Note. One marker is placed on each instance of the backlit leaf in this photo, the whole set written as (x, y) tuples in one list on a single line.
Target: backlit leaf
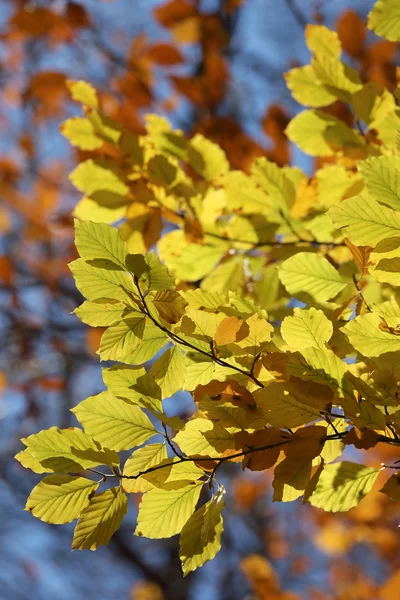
[(99, 521), (200, 538), (60, 498), (163, 513), (343, 485), (311, 273), (115, 423)]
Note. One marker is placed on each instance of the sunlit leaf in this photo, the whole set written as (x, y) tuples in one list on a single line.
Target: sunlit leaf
[(60, 498), (343, 485), (99, 521)]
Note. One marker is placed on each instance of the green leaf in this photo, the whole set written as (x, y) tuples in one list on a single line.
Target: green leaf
[(96, 241), (142, 459), (313, 274), (368, 339), (384, 19), (60, 498), (169, 371), (115, 423), (97, 282), (100, 520), (342, 486), (307, 328), (381, 175), (68, 450), (321, 134), (163, 513), (200, 538), (364, 221), (100, 314)]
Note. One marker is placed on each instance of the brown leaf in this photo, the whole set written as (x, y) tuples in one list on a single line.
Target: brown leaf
[(352, 32), (164, 54), (363, 439), (306, 443), (174, 11)]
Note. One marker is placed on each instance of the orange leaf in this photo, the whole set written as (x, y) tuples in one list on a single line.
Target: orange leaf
[(164, 54), (227, 331), (351, 30), (174, 11)]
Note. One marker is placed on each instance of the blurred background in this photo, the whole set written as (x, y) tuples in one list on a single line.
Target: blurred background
[(210, 66)]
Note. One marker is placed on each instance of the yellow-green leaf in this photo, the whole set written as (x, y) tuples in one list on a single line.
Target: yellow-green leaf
[(169, 371), (203, 437), (307, 328), (100, 520), (281, 409), (368, 339), (207, 158), (100, 314), (95, 177), (163, 513), (320, 134), (115, 423), (200, 538), (291, 477), (142, 459), (342, 486), (307, 89), (96, 282), (100, 242), (313, 274), (68, 450), (60, 498), (384, 19), (381, 175), (364, 221)]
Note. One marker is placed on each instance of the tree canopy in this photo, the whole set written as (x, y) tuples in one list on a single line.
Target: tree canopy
[(268, 294)]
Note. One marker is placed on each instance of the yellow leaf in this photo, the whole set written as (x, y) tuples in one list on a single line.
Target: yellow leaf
[(384, 19), (169, 371), (307, 328), (163, 513), (200, 538), (343, 485), (68, 450), (83, 92), (313, 274), (115, 423), (141, 460), (100, 520), (60, 498)]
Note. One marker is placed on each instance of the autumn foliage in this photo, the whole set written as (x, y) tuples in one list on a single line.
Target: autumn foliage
[(210, 266)]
